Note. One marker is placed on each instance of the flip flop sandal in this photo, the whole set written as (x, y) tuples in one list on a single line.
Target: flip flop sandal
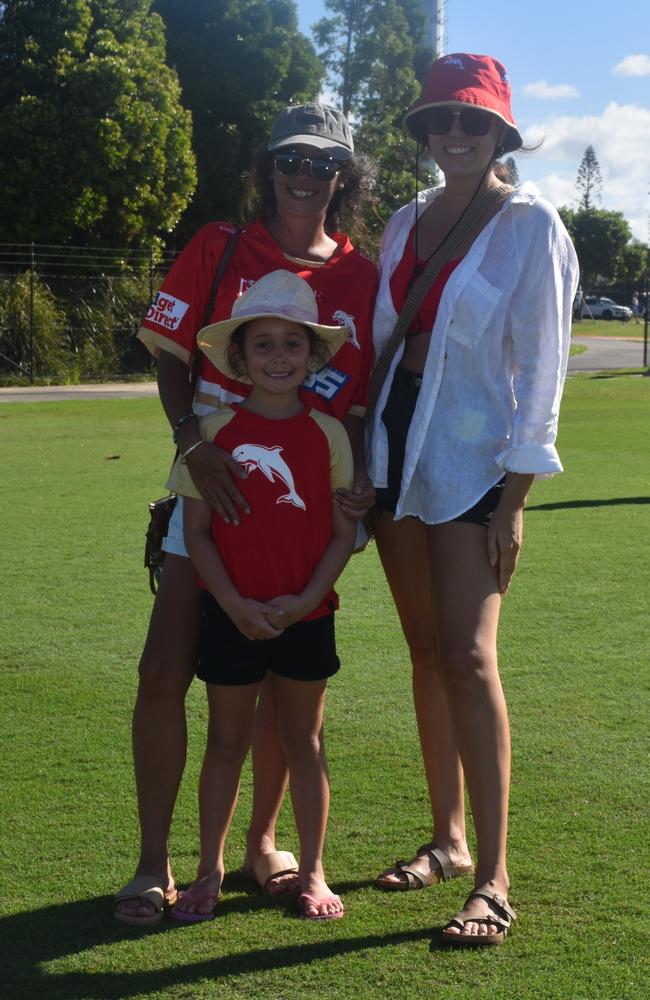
[(144, 889), (266, 867), (431, 866), (185, 917), (305, 899), (501, 918)]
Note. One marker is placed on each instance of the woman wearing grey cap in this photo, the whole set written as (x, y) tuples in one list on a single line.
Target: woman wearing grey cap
[(306, 177)]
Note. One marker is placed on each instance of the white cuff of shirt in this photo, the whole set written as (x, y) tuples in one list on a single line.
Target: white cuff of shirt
[(542, 460)]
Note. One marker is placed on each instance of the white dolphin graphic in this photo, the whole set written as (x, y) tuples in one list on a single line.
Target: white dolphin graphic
[(270, 462), (454, 61), (346, 320)]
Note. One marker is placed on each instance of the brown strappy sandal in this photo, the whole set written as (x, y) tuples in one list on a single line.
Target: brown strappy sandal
[(430, 866), (501, 918)]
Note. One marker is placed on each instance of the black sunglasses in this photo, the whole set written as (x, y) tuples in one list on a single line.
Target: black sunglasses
[(473, 121), (321, 168)]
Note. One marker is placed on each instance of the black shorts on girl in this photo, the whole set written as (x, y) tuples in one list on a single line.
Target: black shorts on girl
[(305, 651), (396, 418)]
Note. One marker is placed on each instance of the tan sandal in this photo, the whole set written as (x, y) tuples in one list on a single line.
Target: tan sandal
[(144, 889), (266, 867), (430, 866), (501, 918)]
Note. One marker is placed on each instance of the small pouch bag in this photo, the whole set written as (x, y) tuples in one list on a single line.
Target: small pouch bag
[(160, 512)]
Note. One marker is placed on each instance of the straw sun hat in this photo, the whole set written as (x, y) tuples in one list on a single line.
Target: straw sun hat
[(279, 294)]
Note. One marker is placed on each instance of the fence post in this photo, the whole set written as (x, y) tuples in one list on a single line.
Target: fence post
[(646, 316), (32, 276)]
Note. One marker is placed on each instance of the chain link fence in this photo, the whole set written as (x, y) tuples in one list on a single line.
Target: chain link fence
[(71, 313)]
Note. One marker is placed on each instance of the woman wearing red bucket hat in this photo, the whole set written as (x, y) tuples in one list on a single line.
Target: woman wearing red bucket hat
[(464, 409)]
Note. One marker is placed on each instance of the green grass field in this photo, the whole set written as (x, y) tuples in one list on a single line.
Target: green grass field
[(607, 328), (76, 478)]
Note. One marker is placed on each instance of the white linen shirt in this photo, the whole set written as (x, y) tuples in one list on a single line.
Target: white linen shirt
[(492, 382)]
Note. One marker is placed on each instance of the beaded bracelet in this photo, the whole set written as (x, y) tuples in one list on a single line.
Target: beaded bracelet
[(179, 424), (197, 444)]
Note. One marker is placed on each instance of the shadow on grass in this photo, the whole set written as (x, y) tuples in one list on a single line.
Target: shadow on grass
[(570, 504), (34, 938)]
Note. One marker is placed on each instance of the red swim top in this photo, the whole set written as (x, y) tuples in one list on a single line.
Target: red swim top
[(405, 275)]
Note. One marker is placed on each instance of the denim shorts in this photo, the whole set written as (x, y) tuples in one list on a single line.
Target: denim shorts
[(396, 417)]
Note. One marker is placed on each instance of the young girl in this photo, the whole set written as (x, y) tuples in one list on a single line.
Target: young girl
[(268, 601)]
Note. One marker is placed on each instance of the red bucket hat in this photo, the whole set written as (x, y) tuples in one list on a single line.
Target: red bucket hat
[(464, 80)]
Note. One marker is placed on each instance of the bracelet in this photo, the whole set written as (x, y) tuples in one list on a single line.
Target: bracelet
[(192, 447), (179, 423)]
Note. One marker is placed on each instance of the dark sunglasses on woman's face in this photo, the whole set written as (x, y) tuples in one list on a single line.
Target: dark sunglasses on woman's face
[(321, 168), (473, 121)]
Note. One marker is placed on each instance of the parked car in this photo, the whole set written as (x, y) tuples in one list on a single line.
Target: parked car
[(599, 307)]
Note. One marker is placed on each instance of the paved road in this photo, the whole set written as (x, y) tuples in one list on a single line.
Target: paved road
[(601, 353), (606, 352), (49, 393)]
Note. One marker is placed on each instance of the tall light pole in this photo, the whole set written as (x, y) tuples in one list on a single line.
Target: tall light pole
[(436, 25)]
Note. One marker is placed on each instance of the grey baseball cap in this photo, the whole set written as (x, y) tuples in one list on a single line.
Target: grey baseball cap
[(313, 125)]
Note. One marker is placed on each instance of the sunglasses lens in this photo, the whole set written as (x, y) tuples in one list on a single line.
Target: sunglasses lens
[(475, 122), (288, 163), (324, 170), (320, 168), (437, 121)]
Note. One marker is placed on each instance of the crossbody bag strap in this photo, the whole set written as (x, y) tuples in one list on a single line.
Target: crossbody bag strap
[(475, 212), (222, 267)]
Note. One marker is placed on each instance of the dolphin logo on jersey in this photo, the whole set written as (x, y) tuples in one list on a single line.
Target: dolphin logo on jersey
[(344, 319), (453, 61), (273, 466)]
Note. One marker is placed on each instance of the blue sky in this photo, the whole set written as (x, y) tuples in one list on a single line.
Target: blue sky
[(580, 73)]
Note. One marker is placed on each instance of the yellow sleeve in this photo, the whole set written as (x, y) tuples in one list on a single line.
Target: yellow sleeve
[(341, 462), (180, 480)]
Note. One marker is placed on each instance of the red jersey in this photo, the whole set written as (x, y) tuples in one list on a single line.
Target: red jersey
[(293, 466), (345, 286)]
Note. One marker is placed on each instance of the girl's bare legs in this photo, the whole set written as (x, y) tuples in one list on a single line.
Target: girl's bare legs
[(270, 779), (230, 727), (300, 719), (466, 607), (159, 733), (405, 558)]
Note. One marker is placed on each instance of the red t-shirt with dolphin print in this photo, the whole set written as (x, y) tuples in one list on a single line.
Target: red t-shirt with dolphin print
[(293, 467)]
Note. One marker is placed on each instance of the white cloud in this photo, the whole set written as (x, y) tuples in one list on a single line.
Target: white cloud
[(548, 90), (636, 65), (619, 137)]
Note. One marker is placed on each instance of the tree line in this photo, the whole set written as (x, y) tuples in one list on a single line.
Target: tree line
[(127, 124), (607, 252), (130, 123)]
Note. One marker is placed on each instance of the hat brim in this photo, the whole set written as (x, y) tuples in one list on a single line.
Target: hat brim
[(215, 340), (335, 150), (512, 140)]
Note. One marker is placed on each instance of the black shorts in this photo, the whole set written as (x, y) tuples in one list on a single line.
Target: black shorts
[(305, 651), (396, 418)]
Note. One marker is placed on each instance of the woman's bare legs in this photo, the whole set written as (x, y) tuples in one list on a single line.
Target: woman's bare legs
[(300, 720), (404, 553), (159, 731), (466, 607), (230, 728)]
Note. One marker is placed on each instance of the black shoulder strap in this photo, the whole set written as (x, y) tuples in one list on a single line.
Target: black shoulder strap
[(222, 267)]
